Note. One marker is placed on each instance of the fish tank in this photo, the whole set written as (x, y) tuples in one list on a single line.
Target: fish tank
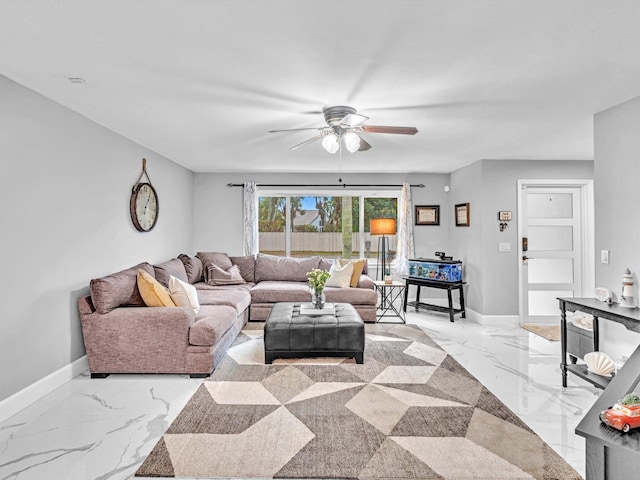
[(436, 270)]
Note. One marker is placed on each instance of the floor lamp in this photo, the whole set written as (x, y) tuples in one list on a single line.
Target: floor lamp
[(382, 227)]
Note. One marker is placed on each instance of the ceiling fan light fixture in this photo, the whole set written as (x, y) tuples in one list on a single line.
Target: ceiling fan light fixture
[(330, 143), (351, 141)]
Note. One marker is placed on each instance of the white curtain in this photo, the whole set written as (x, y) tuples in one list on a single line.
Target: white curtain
[(250, 218), (405, 231)]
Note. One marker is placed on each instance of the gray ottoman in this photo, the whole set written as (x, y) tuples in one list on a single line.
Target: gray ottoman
[(288, 334)]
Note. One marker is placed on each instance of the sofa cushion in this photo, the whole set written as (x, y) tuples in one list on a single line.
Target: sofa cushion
[(193, 267), (354, 296), (271, 267), (325, 263), (240, 299), (247, 266), (366, 282), (272, 292), (171, 267), (340, 274), (217, 276), (219, 259), (205, 286), (212, 322), (183, 294), (118, 289), (153, 294)]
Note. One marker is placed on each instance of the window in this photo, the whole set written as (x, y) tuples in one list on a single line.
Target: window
[(271, 217), (330, 224)]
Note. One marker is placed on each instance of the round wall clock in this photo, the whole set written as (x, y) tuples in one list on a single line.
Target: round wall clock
[(144, 207)]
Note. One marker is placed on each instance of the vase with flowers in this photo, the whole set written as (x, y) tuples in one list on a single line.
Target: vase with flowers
[(316, 279)]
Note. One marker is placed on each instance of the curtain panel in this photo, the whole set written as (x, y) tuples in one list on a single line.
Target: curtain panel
[(405, 245), (250, 202)]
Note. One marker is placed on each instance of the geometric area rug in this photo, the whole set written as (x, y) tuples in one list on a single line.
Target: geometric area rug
[(410, 411)]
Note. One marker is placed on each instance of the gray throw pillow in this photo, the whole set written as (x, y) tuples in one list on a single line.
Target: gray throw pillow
[(218, 276)]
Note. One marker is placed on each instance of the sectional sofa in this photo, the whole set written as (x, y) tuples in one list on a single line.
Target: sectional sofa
[(123, 335)]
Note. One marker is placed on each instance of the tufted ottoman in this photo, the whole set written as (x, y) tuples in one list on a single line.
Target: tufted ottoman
[(288, 334)]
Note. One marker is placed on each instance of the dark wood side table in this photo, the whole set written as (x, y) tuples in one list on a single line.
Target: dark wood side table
[(448, 286)]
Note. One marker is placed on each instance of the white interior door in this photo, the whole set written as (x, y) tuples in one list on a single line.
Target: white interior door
[(552, 257)]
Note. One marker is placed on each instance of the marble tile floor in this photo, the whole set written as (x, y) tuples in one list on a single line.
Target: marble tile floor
[(104, 428)]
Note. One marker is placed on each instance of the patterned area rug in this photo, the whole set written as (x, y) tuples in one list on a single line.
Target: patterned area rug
[(409, 412), (550, 332)]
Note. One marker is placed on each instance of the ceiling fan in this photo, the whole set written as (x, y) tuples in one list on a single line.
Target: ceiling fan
[(345, 123)]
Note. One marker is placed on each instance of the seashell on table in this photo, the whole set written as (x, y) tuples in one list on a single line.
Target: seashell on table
[(599, 363)]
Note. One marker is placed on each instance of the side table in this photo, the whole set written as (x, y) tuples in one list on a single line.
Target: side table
[(391, 298)]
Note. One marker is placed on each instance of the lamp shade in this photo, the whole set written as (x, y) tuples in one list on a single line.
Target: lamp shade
[(351, 141), (382, 226), (330, 143)]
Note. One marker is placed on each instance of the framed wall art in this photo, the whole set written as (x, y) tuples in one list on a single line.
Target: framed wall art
[(462, 215), (427, 215)]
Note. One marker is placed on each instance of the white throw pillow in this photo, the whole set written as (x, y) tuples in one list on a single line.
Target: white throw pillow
[(183, 294), (340, 275)]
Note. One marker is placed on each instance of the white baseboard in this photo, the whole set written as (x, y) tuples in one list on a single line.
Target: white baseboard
[(496, 320), (504, 320), (25, 397)]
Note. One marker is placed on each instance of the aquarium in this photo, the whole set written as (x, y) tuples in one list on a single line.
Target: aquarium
[(437, 270)]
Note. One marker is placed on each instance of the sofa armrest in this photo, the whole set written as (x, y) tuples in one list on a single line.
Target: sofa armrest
[(137, 339), (365, 282)]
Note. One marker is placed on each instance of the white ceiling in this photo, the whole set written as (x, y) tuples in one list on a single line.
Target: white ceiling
[(201, 82)]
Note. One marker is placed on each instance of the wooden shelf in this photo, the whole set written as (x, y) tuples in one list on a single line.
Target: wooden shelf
[(582, 372)]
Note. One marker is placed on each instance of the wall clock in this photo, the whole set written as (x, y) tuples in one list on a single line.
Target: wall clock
[(144, 203)]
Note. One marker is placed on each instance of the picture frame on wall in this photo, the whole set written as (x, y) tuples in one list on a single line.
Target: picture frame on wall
[(427, 215), (462, 215)]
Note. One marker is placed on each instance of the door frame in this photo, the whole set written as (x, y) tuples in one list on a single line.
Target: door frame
[(587, 234)]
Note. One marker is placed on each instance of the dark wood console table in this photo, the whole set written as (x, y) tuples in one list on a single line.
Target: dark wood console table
[(610, 454), (629, 317), (448, 286)]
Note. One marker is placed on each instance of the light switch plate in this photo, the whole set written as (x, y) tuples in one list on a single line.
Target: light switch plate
[(504, 247), (604, 256)]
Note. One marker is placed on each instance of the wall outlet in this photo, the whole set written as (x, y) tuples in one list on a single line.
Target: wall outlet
[(504, 247), (604, 256)]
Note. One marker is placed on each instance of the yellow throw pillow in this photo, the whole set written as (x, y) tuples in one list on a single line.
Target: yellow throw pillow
[(358, 266), (153, 294)]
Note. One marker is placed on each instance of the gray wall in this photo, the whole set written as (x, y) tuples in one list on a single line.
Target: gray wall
[(490, 186), (65, 188), (218, 208), (617, 199)]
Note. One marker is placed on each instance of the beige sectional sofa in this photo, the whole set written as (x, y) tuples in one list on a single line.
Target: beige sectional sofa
[(123, 335)]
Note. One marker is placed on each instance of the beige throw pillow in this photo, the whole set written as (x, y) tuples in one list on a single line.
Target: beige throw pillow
[(358, 268), (153, 294), (340, 274), (183, 294)]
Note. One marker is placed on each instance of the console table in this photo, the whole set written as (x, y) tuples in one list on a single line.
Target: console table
[(448, 286), (629, 317), (610, 454)]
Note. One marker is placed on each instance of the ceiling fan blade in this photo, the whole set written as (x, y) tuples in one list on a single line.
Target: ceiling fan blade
[(396, 130), (311, 140), (364, 145), (295, 129), (353, 119)]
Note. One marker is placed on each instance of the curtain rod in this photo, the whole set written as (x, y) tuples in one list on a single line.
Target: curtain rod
[(344, 185)]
